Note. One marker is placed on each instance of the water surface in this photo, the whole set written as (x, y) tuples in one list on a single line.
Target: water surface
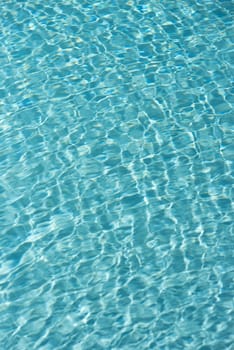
[(116, 173)]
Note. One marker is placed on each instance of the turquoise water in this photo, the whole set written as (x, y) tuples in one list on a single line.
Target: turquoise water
[(116, 174)]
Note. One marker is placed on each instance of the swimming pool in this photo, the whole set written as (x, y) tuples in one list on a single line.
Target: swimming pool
[(116, 173)]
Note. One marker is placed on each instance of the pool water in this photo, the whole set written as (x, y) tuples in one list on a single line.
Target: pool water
[(116, 174)]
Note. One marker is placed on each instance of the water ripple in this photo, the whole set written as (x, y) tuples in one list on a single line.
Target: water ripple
[(116, 177)]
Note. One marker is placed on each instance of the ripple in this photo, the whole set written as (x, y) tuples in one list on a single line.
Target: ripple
[(116, 172)]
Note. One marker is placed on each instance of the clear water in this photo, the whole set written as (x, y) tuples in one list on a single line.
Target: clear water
[(116, 175)]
